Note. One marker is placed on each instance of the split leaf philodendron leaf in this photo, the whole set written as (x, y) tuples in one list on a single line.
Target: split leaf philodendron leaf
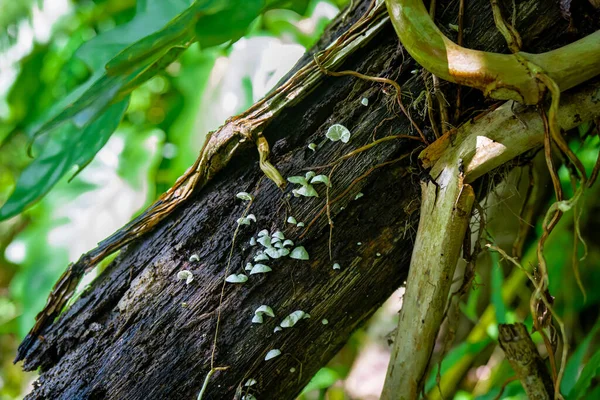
[(66, 148)]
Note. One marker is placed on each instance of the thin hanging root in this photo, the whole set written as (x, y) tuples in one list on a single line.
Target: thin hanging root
[(554, 127), (444, 122), (539, 294), (345, 192), (214, 369), (513, 39), (394, 84), (361, 149), (430, 111), (595, 171), (525, 216)]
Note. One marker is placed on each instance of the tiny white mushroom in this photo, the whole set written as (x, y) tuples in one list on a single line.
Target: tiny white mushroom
[(266, 310), (359, 243), (252, 241), (299, 180), (324, 321), (338, 132), (265, 241), (321, 179), (273, 252), (239, 278), (251, 217), (244, 196), (358, 195), (307, 191), (261, 257), (292, 370), (272, 354), (300, 224), (250, 382), (378, 254), (257, 319), (299, 253), (283, 252), (312, 146), (260, 269), (185, 275), (364, 101), (293, 318), (292, 220), (277, 329), (336, 266), (194, 257)]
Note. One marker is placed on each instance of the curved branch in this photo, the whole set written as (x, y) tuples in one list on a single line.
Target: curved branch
[(499, 76)]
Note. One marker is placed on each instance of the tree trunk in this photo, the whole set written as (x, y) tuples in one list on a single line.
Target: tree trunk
[(139, 333)]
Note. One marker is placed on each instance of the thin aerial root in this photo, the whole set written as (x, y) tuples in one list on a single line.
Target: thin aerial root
[(555, 129), (513, 39), (459, 40), (525, 217), (361, 149), (345, 192), (394, 84)]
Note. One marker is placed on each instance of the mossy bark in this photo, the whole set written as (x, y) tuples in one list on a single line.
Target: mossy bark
[(138, 333)]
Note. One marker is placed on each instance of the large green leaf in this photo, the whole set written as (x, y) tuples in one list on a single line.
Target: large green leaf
[(576, 360), (589, 372), (67, 147)]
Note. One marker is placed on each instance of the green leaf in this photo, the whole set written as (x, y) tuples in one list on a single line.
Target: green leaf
[(576, 360), (323, 379), (149, 16), (589, 372), (66, 148), (228, 24)]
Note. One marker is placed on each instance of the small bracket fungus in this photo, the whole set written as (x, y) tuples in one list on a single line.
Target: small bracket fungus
[(248, 267), (185, 275), (292, 220), (364, 101), (299, 253), (194, 258), (266, 310), (338, 132), (272, 354), (300, 225), (324, 321), (312, 146), (264, 232), (260, 269), (293, 318), (321, 179), (244, 196), (239, 278), (277, 329), (257, 319), (336, 266), (250, 382), (358, 195)]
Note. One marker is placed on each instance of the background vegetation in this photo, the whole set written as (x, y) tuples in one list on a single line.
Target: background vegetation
[(49, 48)]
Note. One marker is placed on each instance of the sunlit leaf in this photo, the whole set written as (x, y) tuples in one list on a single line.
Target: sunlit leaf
[(66, 148)]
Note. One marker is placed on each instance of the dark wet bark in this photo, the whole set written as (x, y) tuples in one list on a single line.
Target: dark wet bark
[(138, 333)]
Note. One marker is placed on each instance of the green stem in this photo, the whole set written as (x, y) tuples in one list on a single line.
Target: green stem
[(499, 76)]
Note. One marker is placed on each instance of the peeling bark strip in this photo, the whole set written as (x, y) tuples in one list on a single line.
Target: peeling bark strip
[(139, 333), (523, 356)]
